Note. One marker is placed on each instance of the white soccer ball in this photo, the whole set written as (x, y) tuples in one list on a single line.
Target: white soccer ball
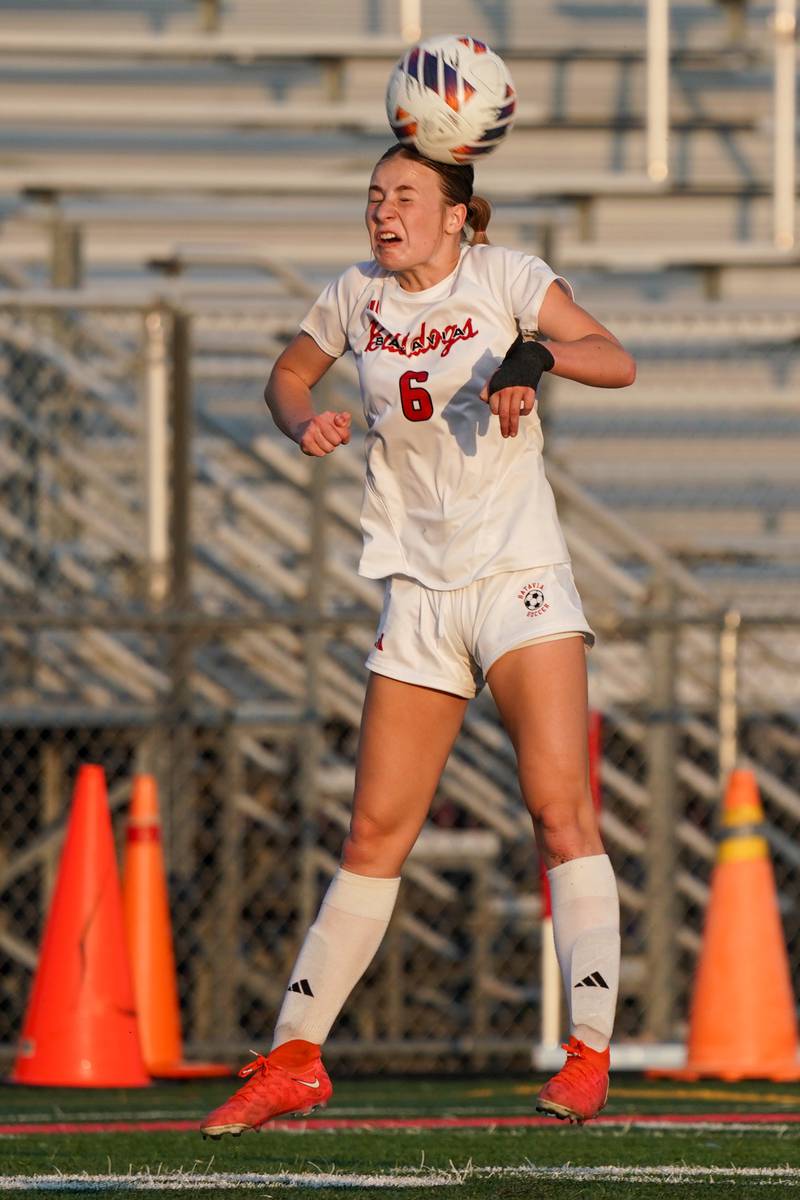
[(452, 98)]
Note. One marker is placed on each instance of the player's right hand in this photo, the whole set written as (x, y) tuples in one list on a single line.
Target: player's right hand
[(323, 433)]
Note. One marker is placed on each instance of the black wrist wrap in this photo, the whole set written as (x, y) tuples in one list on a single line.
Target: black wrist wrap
[(522, 366)]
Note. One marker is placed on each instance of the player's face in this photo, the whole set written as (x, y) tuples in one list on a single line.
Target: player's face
[(410, 224)]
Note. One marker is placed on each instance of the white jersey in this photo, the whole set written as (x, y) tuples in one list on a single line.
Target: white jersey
[(447, 499)]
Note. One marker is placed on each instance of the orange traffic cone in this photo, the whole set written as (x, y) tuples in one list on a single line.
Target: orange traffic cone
[(743, 1023), (149, 933), (81, 1029)]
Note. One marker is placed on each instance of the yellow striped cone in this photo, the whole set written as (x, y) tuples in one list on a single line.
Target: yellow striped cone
[(743, 1023)]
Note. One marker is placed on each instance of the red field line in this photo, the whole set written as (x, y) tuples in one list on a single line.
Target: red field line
[(333, 1124)]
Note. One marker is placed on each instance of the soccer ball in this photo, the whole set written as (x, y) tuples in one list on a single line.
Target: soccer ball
[(452, 98)]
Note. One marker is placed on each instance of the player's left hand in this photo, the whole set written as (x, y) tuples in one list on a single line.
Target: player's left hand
[(509, 404)]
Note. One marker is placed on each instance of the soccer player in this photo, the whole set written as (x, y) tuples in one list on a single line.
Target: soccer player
[(451, 336)]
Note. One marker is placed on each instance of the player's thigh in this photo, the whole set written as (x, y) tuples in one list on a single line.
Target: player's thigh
[(407, 733), (541, 693)]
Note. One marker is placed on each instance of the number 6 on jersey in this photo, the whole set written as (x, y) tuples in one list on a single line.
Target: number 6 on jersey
[(415, 401)]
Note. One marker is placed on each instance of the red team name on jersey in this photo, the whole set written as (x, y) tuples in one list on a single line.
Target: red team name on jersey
[(410, 346)]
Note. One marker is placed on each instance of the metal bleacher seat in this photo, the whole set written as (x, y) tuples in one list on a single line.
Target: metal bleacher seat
[(711, 261), (580, 80)]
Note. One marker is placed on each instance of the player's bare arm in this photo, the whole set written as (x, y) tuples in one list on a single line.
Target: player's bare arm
[(578, 348), (583, 349), (288, 395)]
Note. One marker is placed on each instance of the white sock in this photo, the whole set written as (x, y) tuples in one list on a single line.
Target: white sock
[(586, 932), (337, 950)]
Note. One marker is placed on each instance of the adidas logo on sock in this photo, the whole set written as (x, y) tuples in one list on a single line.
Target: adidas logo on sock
[(304, 987), (593, 980)]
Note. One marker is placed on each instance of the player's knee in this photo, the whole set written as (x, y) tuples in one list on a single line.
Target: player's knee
[(567, 828), (372, 843)]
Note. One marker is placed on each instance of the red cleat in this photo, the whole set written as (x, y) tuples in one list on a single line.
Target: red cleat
[(290, 1080), (580, 1089)]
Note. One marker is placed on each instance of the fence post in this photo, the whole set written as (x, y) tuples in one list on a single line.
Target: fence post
[(785, 110), (180, 648), (209, 16), (154, 753), (66, 270), (23, 493), (311, 745), (229, 893), (657, 90), (392, 954), (66, 253), (480, 962), (156, 442), (180, 810), (728, 695), (410, 20), (51, 787), (660, 915)]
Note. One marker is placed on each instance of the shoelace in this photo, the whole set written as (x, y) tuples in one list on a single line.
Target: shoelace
[(259, 1064), (576, 1060)]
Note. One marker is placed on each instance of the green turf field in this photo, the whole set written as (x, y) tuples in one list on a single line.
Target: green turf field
[(621, 1159)]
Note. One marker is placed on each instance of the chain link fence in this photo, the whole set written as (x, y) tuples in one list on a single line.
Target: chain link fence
[(179, 596)]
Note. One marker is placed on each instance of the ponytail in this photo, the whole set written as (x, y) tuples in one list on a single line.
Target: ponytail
[(479, 212)]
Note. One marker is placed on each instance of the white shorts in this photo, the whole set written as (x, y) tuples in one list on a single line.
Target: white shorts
[(450, 640)]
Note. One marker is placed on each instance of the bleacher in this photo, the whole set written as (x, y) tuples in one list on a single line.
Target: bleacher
[(171, 147), (224, 170)]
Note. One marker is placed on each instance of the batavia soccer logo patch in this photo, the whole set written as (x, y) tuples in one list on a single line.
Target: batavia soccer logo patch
[(532, 596)]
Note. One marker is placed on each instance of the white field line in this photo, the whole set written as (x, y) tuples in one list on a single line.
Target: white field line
[(408, 1178), (192, 1182)]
